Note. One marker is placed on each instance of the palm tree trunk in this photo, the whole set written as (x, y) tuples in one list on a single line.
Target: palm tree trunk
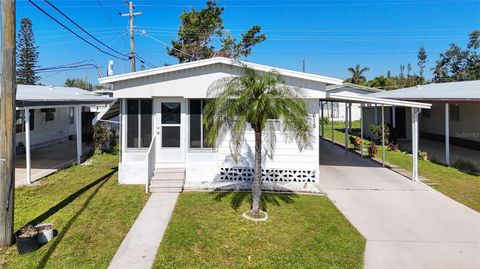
[(257, 177)]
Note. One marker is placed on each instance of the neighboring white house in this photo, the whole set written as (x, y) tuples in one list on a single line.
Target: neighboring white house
[(161, 119), (46, 115), (346, 89), (453, 118)]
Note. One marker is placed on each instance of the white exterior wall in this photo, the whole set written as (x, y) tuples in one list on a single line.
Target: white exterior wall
[(46, 131), (205, 166), (468, 127)]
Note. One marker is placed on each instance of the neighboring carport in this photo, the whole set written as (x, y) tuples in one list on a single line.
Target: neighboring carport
[(373, 101), (47, 98), (459, 100)]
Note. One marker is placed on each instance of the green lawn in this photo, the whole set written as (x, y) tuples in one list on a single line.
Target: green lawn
[(87, 207), (207, 231), (458, 185)]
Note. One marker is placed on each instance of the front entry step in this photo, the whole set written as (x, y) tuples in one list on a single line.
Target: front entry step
[(167, 180)]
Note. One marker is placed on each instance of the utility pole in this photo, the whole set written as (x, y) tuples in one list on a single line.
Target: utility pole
[(131, 15), (7, 118), (303, 65)]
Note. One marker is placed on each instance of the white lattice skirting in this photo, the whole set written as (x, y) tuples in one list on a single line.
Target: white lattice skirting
[(271, 175)]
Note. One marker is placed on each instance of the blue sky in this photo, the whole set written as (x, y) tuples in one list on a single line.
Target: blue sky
[(330, 35)]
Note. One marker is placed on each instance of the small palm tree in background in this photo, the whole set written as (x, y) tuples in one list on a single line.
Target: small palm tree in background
[(258, 102), (357, 74)]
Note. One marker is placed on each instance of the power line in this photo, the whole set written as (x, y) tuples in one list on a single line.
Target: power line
[(112, 22), (123, 37), (71, 31), (144, 33), (145, 60), (83, 30), (66, 67), (290, 5)]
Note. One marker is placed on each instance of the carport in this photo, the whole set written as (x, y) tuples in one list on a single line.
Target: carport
[(48, 98), (376, 102)]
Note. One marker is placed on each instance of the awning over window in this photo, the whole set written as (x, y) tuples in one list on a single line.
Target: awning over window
[(109, 114)]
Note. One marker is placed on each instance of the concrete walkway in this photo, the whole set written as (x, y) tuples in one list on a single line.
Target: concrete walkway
[(140, 246), (406, 224)]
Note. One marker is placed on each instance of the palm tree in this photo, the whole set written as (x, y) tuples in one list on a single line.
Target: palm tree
[(357, 74), (262, 103)]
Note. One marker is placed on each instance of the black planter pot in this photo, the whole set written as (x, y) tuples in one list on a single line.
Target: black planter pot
[(27, 244)]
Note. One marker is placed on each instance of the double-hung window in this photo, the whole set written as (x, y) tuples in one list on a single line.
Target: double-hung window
[(197, 139), (139, 123)]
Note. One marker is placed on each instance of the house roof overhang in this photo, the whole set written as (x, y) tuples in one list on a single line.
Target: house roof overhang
[(220, 60)]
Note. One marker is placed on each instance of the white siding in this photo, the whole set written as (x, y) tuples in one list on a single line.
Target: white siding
[(205, 166), (468, 127), (45, 131)]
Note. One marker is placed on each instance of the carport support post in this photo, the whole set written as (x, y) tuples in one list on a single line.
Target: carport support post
[(78, 124), (350, 117), (346, 126), (333, 127), (322, 120), (28, 159), (361, 129), (383, 136), (393, 117), (447, 134), (415, 112)]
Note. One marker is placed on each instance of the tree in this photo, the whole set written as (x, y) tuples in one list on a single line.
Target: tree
[(457, 64), (199, 27), (261, 103), (27, 55), (81, 84), (422, 60), (357, 74)]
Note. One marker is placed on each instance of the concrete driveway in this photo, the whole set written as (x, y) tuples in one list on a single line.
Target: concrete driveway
[(406, 224)]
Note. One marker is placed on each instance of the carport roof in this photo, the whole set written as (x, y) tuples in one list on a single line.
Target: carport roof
[(367, 99), (463, 91), (44, 96)]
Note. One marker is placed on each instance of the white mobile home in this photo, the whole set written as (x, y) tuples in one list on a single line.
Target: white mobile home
[(161, 119)]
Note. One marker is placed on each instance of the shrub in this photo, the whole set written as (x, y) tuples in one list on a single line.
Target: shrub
[(465, 166), (393, 134), (356, 141), (325, 120), (392, 146), (423, 155), (377, 133), (372, 150), (102, 136)]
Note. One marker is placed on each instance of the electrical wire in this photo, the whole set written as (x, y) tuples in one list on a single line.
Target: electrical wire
[(83, 30), (123, 37), (71, 31)]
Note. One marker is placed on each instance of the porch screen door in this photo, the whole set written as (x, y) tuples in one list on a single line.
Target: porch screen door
[(170, 130)]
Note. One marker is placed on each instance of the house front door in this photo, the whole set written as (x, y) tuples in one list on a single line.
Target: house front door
[(170, 128)]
